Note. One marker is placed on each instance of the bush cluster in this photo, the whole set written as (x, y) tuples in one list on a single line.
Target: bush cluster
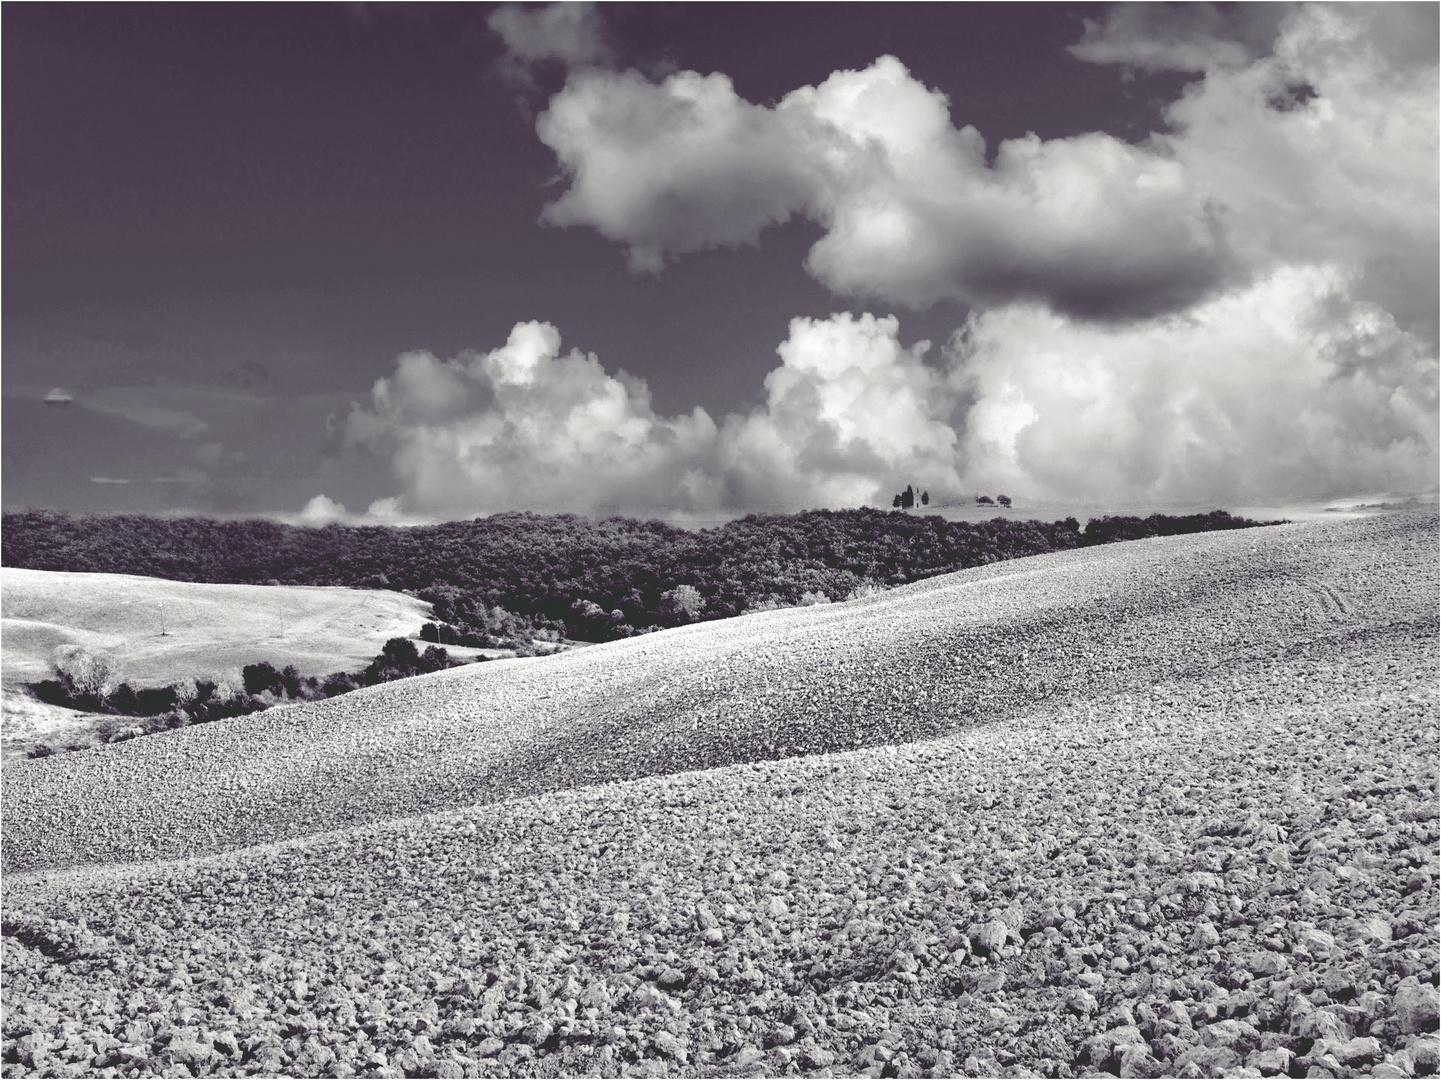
[(82, 681)]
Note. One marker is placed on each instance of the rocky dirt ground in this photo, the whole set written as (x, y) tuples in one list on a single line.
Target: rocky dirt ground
[(1168, 808)]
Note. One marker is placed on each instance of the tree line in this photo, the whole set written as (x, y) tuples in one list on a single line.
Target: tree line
[(512, 578), (85, 681)]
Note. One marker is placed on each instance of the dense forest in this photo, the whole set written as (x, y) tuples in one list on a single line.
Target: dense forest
[(513, 577)]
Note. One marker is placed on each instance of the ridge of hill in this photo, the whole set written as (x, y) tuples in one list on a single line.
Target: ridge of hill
[(1210, 849), (982, 646)]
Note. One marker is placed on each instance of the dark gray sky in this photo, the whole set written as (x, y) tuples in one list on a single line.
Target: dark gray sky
[(224, 223)]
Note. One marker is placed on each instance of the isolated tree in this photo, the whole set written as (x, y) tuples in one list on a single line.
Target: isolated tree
[(1004, 500), (985, 500), (925, 498), (401, 653), (680, 605), (85, 676), (259, 678), (896, 502)]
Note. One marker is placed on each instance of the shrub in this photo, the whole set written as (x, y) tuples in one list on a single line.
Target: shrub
[(258, 678), (809, 599), (588, 621), (85, 676), (156, 700), (866, 588), (41, 751), (52, 692), (339, 683), (113, 732)]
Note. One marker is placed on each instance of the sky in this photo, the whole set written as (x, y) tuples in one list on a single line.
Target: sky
[(386, 263)]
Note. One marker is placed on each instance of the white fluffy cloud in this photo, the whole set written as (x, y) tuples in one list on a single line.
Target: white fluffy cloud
[(1346, 176), (849, 416), (1286, 388), (1314, 140), (523, 425), (674, 168), (1244, 305), (913, 211)]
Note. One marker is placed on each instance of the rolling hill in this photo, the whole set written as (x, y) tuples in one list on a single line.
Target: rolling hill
[(211, 631), (1160, 808)]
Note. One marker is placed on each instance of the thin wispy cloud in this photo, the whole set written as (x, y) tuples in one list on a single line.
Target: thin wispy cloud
[(570, 34)]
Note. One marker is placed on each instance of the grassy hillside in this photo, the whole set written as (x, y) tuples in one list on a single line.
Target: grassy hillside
[(1178, 818), (211, 631)]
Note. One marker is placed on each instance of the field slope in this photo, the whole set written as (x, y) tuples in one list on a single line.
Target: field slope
[(211, 631), (983, 646)]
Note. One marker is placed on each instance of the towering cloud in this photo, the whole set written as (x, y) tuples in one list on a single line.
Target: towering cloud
[(523, 425), (1244, 304), (847, 414), (1286, 388), (1241, 307)]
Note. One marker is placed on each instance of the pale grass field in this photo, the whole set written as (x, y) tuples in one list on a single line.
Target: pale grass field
[(211, 631)]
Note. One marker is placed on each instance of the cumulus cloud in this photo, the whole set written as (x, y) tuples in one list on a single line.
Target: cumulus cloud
[(1288, 387), (321, 510), (848, 417), (524, 425), (571, 33), (1242, 305), (1326, 152), (679, 167), (914, 212), (1312, 137)]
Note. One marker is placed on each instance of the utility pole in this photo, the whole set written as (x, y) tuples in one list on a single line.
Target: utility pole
[(163, 632)]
